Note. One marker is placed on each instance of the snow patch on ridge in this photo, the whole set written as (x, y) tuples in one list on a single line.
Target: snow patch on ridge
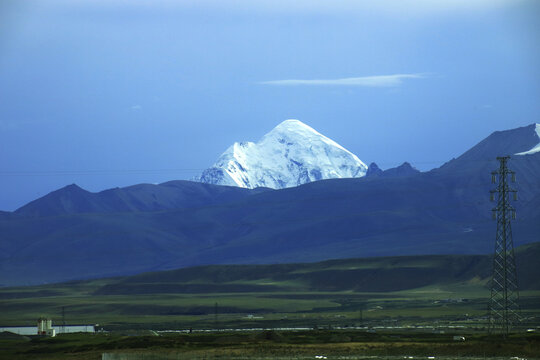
[(536, 148), (290, 155)]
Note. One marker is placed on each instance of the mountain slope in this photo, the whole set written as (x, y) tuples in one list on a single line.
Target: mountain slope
[(291, 154), (499, 143), (170, 195), (317, 221), (536, 148), (444, 211), (365, 274), (476, 164)]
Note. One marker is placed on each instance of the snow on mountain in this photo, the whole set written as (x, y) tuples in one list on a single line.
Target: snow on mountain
[(290, 155), (536, 148)]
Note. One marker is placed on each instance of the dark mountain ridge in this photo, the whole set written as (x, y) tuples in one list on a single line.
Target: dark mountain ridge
[(444, 211), (404, 169), (499, 143), (178, 194)]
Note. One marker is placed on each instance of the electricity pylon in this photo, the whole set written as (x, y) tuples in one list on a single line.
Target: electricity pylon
[(503, 304)]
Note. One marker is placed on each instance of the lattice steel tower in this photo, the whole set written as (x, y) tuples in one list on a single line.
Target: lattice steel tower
[(503, 304)]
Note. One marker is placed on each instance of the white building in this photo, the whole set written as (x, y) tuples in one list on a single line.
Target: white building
[(44, 327)]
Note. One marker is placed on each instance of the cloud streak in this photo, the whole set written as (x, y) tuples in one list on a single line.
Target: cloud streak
[(367, 81)]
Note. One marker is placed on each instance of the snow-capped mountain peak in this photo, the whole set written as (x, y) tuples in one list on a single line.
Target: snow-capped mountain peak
[(291, 154), (535, 148)]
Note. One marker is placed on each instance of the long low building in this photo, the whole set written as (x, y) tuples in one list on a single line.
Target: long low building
[(32, 330)]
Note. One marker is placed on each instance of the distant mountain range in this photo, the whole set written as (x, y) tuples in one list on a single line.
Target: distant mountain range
[(291, 154), (73, 234), (179, 194)]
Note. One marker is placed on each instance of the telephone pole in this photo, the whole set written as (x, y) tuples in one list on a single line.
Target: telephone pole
[(216, 316), (63, 319), (503, 304)]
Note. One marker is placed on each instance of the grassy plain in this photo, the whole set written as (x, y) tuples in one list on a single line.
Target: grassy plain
[(268, 344), (275, 296), (390, 306)]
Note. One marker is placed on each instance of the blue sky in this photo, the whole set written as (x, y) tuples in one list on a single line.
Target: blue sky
[(114, 93)]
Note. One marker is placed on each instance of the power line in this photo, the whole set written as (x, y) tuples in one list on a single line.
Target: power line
[(96, 172), (168, 170)]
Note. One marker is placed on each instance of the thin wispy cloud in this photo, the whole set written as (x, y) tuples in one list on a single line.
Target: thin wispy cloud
[(367, 81)]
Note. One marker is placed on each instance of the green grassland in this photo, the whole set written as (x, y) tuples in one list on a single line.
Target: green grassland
[(391, 306), (270, 344), (436, 291)]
